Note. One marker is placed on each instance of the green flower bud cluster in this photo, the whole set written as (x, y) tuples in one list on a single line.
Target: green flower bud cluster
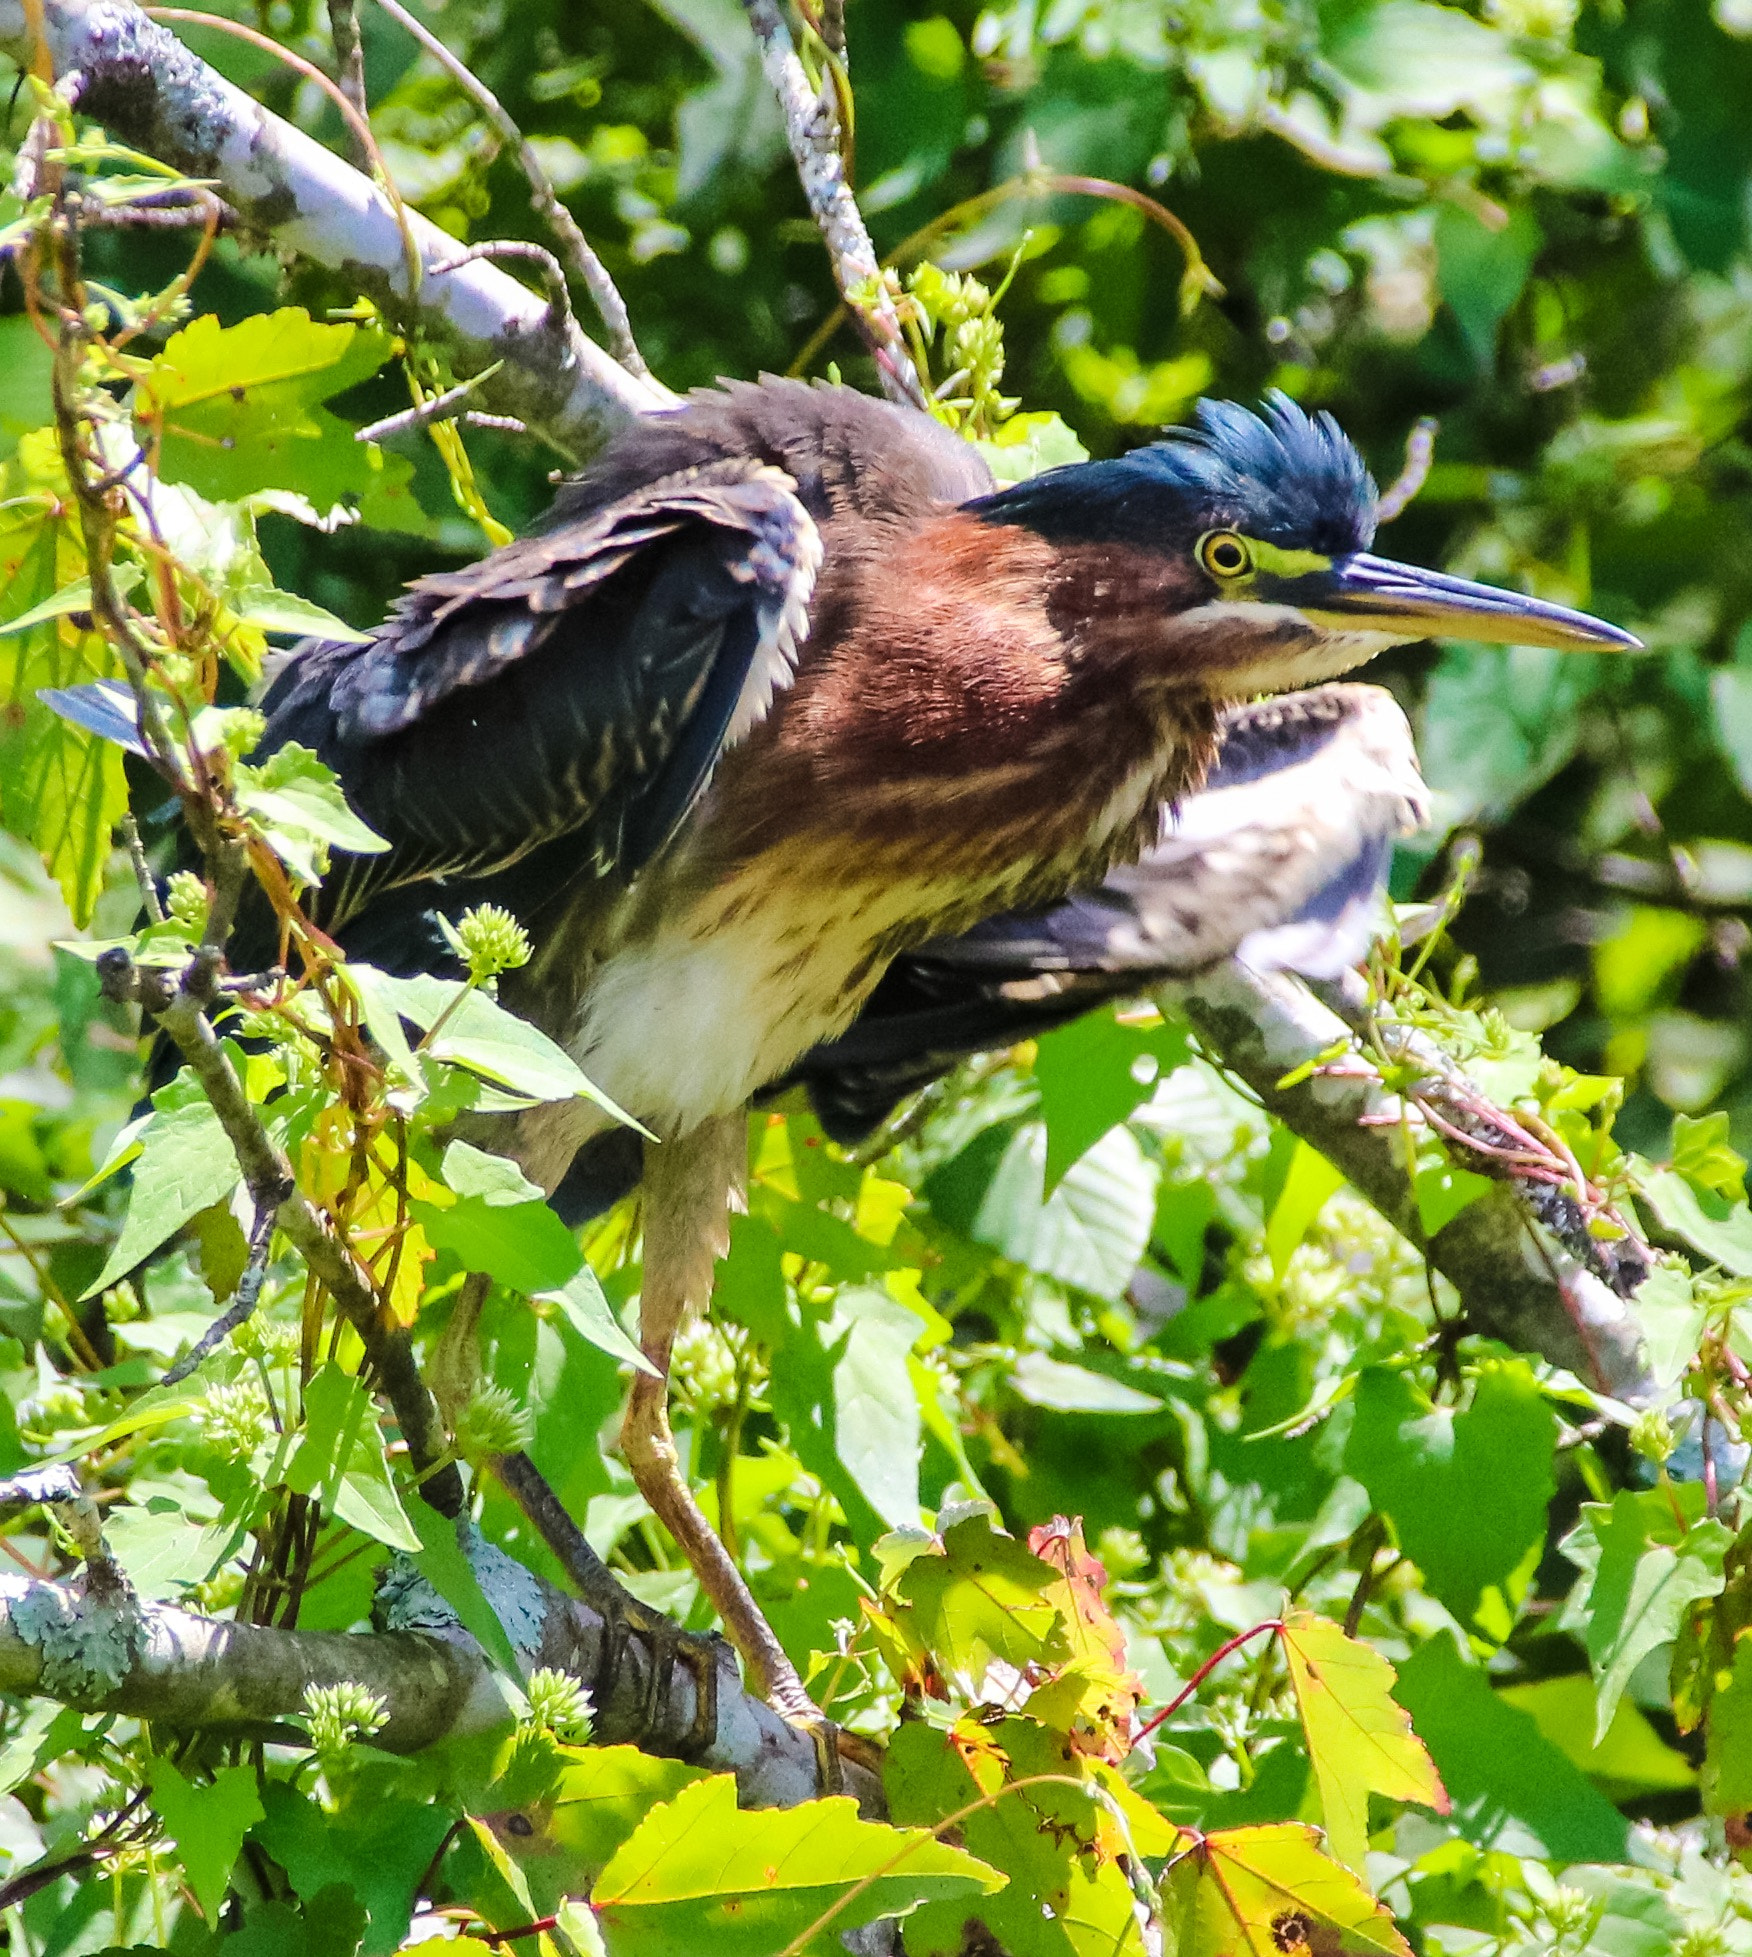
[(490, 941), (339, 1715), (185, 902), (495, 1421), (236, 1419), (703, 1366), (560, 1705)]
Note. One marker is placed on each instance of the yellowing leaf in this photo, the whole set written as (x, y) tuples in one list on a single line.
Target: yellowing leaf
[(1269, 1892), (1359, 1740)]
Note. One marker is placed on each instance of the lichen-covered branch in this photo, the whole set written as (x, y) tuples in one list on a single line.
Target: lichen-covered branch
[(812, 128), (133, 76), (99, 1648), (1518, 1280)]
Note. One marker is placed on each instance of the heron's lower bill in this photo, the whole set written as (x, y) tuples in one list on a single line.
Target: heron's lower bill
[(1402, 598)]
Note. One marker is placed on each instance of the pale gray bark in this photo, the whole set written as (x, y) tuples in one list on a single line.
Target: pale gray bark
[(85, 1642), (143, 85)]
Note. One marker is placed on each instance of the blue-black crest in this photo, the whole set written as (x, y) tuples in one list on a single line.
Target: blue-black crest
[(1286, 476)]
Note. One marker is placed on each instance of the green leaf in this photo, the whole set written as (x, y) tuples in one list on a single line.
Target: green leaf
[(977, 1598), (1701, 1154), (1647, 1575), (1062, 1899), (1728, 1758), (1092, 1230), (1443, 1191), (495, 1179), (1028, 443), (1309, 1179), (239, 408), (378, 1852), (207, 1823), (62, 789), (588, 1313), (502, 1224), (1466, 1492), (592, 1802), (481, 1037), (1268, 1889), (1360, 1741), (74, 597), (1629, 1764), (1497, 722), (1483, 270), (299, 806), (1093, 1074), (1045, 1382), (341, 1460), (1672, 1317), (1730, 695), (1721, 1229), (1510, 1786), (186, 1165), (271, 610), (877, 1424), (447, 1566), (702, 1873)]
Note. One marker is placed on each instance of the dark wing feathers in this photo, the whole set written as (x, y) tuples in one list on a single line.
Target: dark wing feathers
[(580, 683)]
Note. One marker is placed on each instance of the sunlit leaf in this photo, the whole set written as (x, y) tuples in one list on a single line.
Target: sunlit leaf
[(1647, 1573), (186, 1164), (702, 1872), (1467, 1491), (1359, 1739), (1262, 1892)]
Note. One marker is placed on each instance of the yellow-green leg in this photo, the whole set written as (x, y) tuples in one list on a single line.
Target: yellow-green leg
[(690, 1184)]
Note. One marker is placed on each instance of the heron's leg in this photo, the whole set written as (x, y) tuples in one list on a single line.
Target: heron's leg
[(689, 1186)]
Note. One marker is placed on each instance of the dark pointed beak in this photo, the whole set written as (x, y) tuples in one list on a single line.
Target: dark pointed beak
[(1367, 590)]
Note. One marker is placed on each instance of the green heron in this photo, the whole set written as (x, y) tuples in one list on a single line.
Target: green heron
[(783, 688), (1279, 858)]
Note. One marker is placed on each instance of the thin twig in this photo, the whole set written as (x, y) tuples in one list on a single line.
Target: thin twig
[(1420, 452), (242, 1306), (812, 128), (267, 1175), (604, 294), (437, 407), (350, 72), (130, 833)]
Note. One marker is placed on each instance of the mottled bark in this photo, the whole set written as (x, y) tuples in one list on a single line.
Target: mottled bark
[(142, 84)]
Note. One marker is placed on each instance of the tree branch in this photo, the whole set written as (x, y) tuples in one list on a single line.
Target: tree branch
[(812, 128), (1518, 1279), (102, 1650), (144, 86)]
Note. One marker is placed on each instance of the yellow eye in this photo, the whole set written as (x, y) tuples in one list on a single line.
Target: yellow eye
[(1224, 554)]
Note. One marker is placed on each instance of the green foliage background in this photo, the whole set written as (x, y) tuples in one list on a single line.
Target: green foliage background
[(1529, 222)]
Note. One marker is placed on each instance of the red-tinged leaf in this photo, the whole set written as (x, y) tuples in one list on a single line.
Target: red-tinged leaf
[(1270, 1892), (1359, 1738), (1094, 1697)]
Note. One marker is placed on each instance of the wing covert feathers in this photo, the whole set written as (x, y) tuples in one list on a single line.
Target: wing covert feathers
[(582, 682)]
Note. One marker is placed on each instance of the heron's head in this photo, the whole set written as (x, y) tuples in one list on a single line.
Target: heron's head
[(1257, 528)]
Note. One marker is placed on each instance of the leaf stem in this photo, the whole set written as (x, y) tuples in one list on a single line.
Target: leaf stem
[(1204, 1671)]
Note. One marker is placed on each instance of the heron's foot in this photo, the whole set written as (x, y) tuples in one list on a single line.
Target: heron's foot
[(650, 1452)]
